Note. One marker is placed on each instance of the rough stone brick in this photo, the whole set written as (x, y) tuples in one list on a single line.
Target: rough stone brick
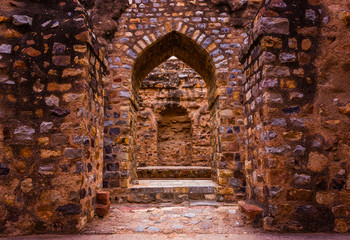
[(102, 210), (69, 209), (102, 197)]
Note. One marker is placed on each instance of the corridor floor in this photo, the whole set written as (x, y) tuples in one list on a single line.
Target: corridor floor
[(195, 217), (202, 220)]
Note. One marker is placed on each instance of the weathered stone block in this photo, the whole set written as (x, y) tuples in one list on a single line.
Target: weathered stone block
[(102, 197), (299, 195), (345, 17), (69, 209), (81, 140), (341, 226), (27, 185), (22, 20), (287, 57), (341, 210), (24, 133), (61, 60), (114, 131), (83, 36), (58, 48), (31, 52), (278, 4), (102, 210), (4, 169), (317, 162), (235, 182), (58, 139), (45, 126), (302, 179), (251, 210), (267, 57), (325, 198), (72, 72), (271, 42), (345, 197), (46, 153), (58, 87), (5, 48), (79, 167), (72, 97), (275, 71), (278, 150), (46, 170), (345, 109), (112, 166), (71, 153), (269, 25)]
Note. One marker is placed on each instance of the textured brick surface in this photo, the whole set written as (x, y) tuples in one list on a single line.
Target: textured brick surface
[(51, 71), (203, 37), (277, 97), (288, 166)]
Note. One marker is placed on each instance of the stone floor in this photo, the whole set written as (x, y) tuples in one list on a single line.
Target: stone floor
[(159, 236), (200, 220), (173, 183), (195, 217)]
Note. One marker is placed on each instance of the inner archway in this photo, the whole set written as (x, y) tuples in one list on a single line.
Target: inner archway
[(172, 114), (184, 48), (173, 133)]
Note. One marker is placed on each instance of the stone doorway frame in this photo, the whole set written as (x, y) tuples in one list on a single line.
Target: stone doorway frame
[(181, 40), (138, 62), (187, 50)]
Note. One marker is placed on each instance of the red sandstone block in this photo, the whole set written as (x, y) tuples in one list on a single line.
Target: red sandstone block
[(249, 209), (103, 198), (102, 210)]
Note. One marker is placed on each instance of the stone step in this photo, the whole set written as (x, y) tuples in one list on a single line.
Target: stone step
[(170, 172), (177, 191)]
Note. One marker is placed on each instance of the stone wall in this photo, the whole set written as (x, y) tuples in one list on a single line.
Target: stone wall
[(329, 119), (51, 120), (174, 137), (291, 167), (204, 35), (281, 128), (173, 120)]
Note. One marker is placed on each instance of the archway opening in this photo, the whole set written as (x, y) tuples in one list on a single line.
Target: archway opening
[(173, 122), (173, 128), (184, 48)]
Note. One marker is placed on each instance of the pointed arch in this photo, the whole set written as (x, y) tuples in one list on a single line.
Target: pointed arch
[(175, 44)]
